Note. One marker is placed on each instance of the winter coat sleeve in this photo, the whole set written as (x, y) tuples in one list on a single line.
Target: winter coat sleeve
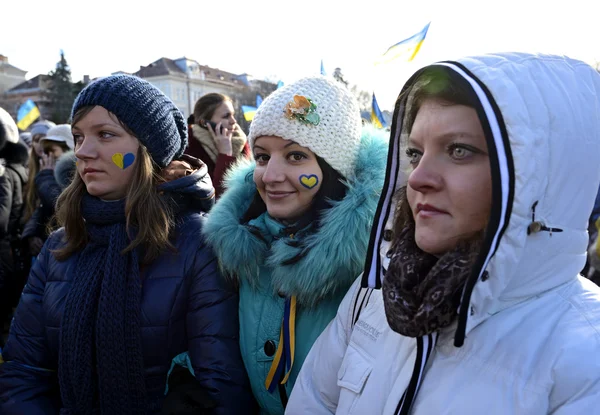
[(586, 404), (47, 188), (48, 191), (35, 224), (213, 332), (576, 373), (28, 380), (223, 163), (316, 390), (6, 196)]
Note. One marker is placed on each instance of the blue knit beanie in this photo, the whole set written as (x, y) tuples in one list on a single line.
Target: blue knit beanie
[(144, 109)]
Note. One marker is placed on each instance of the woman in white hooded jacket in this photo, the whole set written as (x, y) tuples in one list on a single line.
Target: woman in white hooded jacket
[(481, 309)]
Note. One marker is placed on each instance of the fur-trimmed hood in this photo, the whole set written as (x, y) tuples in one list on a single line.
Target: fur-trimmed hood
[(336, 252)]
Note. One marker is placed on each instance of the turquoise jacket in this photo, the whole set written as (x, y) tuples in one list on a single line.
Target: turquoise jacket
[(335, 257)]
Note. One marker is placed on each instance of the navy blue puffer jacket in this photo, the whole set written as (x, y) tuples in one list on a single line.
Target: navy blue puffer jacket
[(185, 306)]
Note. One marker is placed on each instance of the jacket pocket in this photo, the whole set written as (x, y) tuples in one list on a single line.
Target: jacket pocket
[(352, 377)]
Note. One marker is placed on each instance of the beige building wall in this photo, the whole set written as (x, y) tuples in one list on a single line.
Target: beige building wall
[(185, 92)]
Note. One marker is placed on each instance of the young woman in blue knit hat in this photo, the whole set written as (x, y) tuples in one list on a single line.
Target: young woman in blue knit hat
[(128, 282), (292, 227)]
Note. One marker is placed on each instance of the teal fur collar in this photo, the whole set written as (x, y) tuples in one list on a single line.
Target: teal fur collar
[(336, 253)]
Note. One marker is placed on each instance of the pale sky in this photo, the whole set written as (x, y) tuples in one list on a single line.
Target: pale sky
[(287, 39)]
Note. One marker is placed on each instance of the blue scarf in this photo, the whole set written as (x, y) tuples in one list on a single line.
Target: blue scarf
[(101, 368)]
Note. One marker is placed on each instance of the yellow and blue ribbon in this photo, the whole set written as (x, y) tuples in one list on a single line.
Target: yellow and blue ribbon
[(284, 357)]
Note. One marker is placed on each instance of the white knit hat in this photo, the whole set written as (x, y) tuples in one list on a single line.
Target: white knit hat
[(61, 133), (336, 136)]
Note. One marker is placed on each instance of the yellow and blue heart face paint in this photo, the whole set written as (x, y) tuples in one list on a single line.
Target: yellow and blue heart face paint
[(123, 161), (309, 180)]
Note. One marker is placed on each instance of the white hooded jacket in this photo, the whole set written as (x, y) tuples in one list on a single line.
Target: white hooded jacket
[(527, 340)]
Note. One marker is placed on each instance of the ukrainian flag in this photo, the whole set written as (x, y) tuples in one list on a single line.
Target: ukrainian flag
[(376, 115), (27, 114), (248, 112), (407, 47)]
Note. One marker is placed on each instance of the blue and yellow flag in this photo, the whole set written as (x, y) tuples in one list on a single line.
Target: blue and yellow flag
[(407, 48), (376, 115), (27, 114), (248, 112)]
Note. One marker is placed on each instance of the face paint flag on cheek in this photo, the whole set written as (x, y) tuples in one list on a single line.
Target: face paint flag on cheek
[(309, 181), (123, 161)]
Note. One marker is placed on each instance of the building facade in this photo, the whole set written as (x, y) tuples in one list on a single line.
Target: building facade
[(184, 81), (36, 89), (10, 76)]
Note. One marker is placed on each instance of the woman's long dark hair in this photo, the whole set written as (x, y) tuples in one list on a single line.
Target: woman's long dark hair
[(333, 189)]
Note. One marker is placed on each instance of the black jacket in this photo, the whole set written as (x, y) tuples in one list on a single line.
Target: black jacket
[(48, 191), (12, 186), (13, 179)]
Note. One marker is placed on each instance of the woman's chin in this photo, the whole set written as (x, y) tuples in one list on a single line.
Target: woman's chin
[(432, 246), (103, 194), (277, 214)]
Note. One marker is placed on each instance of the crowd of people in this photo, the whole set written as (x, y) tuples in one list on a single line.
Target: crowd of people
[(316, 265)]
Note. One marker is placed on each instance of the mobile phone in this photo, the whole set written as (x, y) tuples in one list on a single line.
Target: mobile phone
[(214, 126)]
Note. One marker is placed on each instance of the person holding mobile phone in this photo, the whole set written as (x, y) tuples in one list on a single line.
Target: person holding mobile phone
[(56, 141), (215, 137)]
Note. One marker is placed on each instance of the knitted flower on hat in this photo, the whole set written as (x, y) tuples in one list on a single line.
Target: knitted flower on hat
[(317, 113)]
